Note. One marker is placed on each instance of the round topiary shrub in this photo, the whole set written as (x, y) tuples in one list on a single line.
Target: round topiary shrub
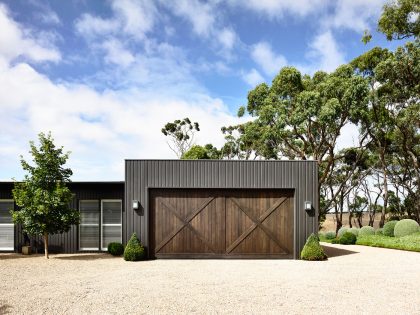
[(312, 249), (379, 231), (115, 248), (366, 230), (341, 231), (348, 238), (354, 231), (134, 250), (388, 229), (330, 235), (405, 227)]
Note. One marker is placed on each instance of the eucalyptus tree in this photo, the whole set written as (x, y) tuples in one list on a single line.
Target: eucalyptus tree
[(181, 135), (302, 117)]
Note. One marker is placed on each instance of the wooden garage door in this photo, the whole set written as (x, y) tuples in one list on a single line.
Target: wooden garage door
[(193, 223)]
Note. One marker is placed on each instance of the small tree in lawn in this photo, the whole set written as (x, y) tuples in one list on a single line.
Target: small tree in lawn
[(43, 196)]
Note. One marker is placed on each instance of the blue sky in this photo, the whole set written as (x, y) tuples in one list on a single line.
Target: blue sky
[(104, 76)]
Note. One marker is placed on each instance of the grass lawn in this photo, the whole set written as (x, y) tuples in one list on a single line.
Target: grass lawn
[(409, 242)]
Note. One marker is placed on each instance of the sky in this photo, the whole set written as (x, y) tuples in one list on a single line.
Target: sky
[(104, 76)]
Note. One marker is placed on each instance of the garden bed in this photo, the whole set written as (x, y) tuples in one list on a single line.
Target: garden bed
[(409, 242)]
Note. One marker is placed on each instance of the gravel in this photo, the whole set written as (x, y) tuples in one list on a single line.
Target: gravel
[(355, 279)]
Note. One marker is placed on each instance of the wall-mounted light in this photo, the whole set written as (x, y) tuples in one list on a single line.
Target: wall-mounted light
[(136, 204), (308, 206)]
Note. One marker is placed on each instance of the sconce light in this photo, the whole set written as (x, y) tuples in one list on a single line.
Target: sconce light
[(135, 204), (308, 206)]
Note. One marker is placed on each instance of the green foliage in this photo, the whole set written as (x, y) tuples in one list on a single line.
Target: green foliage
[(400, 19), (134, 251), (354, 231), (330, 235), (341, 231), (388, 229), (115, 248), (409, 242), (405, 227), (379, 231), (335, 241), (197, 152), (43, 197), (366, 230), (312, 249), (348, 238)]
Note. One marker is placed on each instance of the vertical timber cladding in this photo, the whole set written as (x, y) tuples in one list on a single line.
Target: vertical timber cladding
[(144, 178), (191, 223)]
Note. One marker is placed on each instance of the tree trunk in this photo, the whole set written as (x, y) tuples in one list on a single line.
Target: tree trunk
[(382, 221), (46, 245)]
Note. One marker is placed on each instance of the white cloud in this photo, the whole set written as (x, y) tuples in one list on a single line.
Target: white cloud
[(355, 15), (101, 129), (206, 22), (278, 8), (227, 37), (267, 59), (130, 17), (252, 77), (117, 54), (16, 41), (200, 15), (325, 53)]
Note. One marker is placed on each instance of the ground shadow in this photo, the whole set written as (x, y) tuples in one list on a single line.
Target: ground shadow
[(5, 308), (336, 252), (18, 256), (84, 257)]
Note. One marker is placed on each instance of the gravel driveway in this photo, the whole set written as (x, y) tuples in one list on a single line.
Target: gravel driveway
[(354, 280)]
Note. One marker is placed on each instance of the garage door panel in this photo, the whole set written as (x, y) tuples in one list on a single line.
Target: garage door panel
[(258, 242), (236, 222), (185, 242), (209, 223), (221, 223)]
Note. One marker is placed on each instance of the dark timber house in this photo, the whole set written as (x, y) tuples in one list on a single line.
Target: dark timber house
[(189, 209)]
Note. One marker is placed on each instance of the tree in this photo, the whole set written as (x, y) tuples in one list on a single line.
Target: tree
[(198, 152), (181, 134), (301, 117), (400, 19), (43, 197)]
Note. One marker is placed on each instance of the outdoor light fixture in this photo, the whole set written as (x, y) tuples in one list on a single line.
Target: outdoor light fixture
[(308, 206), (135, 204)]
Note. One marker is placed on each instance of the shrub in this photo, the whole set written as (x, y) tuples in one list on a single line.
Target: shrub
[(134, 250), (335, 241), (348, 238), (379, 231), (354, 231), (312, 249), (330, 235), (405, 227), (115, 249), (366, 230), (341, 231), (388, 229)]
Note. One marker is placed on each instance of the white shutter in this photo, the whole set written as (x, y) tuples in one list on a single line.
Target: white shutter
[(89, 224), (7, 228), (111, 222)]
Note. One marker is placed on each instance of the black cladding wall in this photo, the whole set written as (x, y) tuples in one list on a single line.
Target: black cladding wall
[(140, 175), (68, 242)]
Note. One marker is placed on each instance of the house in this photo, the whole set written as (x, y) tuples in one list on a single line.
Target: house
[(189, 209)]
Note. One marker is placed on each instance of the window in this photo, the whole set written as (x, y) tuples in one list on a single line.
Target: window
[(89, 224), (111, 222), (7, 228), (100, 223)]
